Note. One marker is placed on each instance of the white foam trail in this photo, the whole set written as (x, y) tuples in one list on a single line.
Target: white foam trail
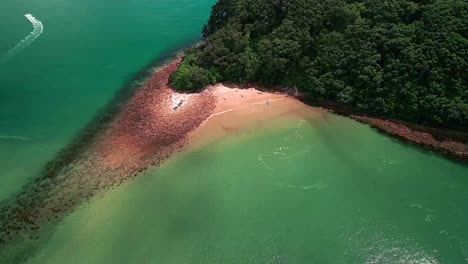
[(260, 158), (38, 28), (317, 186), (278, 153), (298, 135), (13, 138)]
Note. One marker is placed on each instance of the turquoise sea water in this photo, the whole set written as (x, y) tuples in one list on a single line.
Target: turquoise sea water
[(87, 52), (319, 191)]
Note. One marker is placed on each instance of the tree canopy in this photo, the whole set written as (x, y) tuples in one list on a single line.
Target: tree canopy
[(398, 58)]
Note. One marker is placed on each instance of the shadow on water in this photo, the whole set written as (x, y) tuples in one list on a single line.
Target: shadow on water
[(16, 244), (326, 130)]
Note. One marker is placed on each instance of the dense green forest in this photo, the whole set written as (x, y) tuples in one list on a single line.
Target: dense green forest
[(396, 58)]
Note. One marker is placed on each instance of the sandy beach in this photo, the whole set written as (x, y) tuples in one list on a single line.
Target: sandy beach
[(239, 109), (159, 120)]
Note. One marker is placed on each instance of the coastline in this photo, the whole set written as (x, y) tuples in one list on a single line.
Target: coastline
[(231, 97), (156, 122), (446, 147), (143, 132), (447, 143)]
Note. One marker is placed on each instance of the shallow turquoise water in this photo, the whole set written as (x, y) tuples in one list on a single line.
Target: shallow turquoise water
[(326, 191), (87, 52), (322, 191)]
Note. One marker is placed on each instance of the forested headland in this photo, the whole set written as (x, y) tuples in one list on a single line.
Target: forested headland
[(394, 58)]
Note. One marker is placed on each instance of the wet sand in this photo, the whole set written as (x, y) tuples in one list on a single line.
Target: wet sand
[(239, 109)]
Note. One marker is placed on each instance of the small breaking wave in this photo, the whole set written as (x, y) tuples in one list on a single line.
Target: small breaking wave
[(38, 28)]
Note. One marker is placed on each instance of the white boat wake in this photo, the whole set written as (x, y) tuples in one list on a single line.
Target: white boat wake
[(38, 28)]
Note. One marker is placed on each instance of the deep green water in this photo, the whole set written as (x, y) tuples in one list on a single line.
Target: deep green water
[(322, 191)]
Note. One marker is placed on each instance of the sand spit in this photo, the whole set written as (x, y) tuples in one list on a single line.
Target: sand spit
[(149, 127), (154, 123)]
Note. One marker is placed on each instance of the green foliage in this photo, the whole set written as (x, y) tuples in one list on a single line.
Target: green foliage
[(189, 77), (220, 14), (399, 58)]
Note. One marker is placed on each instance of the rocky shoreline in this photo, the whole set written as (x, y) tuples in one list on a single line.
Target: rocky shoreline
[(147, 128), (152, 124), (450, 144), (446, 147)]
